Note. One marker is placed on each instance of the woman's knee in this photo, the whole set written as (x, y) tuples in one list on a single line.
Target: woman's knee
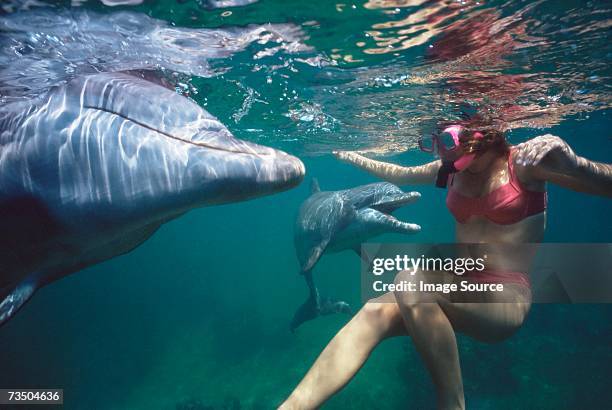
[(404, 297), (515, 321), (411, 297), (505, 328), (380, 314)]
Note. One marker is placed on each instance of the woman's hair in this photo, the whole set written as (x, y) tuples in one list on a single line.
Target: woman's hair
[(494, 136), (494, 139)]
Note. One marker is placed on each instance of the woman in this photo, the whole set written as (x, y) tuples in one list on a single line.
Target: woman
[(497, 194)]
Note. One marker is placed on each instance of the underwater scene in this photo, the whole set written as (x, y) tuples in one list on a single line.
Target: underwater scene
[(169, 272)]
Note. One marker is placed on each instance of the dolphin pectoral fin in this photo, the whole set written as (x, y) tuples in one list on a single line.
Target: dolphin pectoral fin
[(373, 217), (16, 297), (315, 254)]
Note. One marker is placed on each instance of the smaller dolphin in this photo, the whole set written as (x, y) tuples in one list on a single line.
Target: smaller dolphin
[(338, 220)]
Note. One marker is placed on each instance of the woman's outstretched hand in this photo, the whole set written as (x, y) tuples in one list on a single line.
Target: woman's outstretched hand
[(396, 174), (532, 152), (346, 156)]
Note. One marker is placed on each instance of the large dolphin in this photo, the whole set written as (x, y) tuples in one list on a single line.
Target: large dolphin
[(91, 169), (334, 221)]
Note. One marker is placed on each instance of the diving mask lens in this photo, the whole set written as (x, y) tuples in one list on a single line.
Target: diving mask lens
[(426, 144), (447, 141)]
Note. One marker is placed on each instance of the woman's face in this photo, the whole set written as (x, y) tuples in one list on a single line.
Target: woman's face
[(451, 155), (447, 143)]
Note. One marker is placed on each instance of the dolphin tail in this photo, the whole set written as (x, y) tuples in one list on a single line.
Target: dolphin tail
[(11, 300), (316, 305), (329, 306)]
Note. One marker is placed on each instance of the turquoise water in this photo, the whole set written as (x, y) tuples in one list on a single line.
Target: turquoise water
[(199, 314)]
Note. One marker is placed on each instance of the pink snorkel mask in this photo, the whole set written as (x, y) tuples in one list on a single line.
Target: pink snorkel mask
[(448, 141)]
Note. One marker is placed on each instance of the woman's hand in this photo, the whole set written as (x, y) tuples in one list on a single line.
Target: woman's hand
[(346, 156), (532, 152), (396, 174)]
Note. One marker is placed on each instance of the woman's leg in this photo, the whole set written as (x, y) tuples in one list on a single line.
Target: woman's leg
[(434, 339), (347, 352), (431, 320), (431, 325)]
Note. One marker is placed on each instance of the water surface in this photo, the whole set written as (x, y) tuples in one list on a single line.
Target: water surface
[(199, 315)]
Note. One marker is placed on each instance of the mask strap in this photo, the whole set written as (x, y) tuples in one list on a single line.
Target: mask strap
[(447, 168)]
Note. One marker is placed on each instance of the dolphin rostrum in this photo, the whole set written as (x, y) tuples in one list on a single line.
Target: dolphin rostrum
[(338, 220), (91, 169)]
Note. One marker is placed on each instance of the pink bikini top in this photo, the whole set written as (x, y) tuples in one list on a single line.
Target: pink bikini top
[(506, 205)]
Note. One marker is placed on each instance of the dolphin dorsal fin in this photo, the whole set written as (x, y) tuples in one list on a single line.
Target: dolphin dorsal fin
[(314, 186)]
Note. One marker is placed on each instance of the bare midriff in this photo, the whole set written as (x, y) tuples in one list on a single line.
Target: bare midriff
[(504, 245)]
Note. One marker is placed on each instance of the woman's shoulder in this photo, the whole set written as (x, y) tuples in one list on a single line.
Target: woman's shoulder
[(520, 169)]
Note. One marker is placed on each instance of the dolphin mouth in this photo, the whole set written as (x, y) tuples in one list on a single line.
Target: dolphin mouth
[(401, 225), (386, 207), (389, 205), (238, 147)]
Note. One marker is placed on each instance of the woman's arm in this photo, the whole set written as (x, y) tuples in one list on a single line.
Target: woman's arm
[(549, 158), (422, 174)]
